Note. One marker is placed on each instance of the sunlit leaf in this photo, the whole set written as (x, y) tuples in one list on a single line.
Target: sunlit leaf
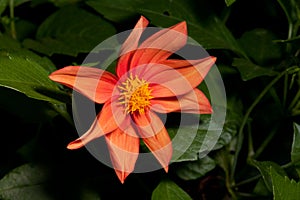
[(283, 188), (168, 190), (195, 169), (24, 182), (264, 169), (27, 76), (249, 70), (295, 153)]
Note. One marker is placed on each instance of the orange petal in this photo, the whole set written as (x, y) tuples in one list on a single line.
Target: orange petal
[(124, 150), (177, 77), (155, 136), (160, 45), (96, 84), (106, 122), (163, 80), (193, 70), (192, 102), (130, 44)]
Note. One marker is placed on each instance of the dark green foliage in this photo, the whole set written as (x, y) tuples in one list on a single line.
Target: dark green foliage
[(255, 154)]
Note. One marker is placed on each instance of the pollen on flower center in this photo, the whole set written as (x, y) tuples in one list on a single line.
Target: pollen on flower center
[(135, 94)]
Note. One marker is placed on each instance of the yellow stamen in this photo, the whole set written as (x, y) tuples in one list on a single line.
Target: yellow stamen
[(135, 94)]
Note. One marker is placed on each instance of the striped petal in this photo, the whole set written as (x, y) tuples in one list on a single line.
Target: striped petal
[(155, 136), (128, 47), (124, 150), (192, 70), (180, 76), (160, 45), (107, 121), (96, 84), (192, 102)]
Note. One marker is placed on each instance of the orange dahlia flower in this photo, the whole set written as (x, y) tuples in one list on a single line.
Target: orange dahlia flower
[(146, 83)]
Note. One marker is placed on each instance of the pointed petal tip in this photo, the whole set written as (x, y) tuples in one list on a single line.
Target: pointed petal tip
[(143, 18), (181, 27), (121, 175), (214, 59), (142, 22), (75, 144), (53, 76), (166, 169), (65, 70)]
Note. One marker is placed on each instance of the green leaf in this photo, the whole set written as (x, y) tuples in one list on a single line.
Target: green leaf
[(200, 140), (229, 2), (209, 135), (24, 183), (29, 77), (208, 30), (88, 194), (19, 2), (7, 42), (43, 111), (203, 140), (291, 9), (195, 169), (61, 3), (70, 31), (260, 46), (264, 168), (11, 45), (25, 29), (3, 4), (168, 190), (283, 188), (249, 70), (295, 153), (261, 188)]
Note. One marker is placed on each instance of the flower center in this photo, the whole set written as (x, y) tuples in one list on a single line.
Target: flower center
[(135, 94)]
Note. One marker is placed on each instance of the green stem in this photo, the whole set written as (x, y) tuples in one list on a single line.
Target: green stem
[(290, 164), (12, 19), (295, 100), (290, 34), (297, 106), (225, 14), (245, 119), (285, 89), (249, 180), (265, 143), (251, 152), (295, 113)]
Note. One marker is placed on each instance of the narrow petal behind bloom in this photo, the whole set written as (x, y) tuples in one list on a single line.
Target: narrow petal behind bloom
[(146, 82)]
